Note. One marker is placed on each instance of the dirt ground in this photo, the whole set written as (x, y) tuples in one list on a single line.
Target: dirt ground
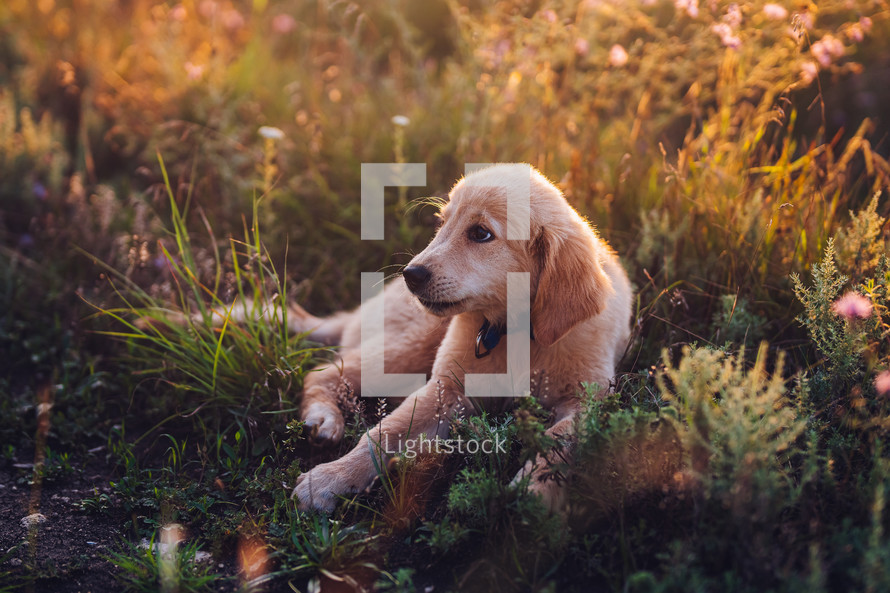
[(62, 551)]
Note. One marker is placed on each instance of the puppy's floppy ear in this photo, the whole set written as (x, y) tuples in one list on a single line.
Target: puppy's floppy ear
[(572, 285)]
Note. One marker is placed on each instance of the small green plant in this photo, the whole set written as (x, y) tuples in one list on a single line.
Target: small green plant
[(324, 547), (445, 535), (8, 583), (402, 581), (166, 567), (55, 466), (638, 448), (736, 323)]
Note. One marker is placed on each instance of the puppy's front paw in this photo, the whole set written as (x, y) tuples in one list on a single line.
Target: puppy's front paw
[(324, 422), (320, 487), (541, 484)]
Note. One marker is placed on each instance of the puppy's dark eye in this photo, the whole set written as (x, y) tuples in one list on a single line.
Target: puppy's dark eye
[(479, 234)]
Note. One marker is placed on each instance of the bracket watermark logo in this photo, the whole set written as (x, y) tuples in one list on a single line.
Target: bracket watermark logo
[(514, 180)]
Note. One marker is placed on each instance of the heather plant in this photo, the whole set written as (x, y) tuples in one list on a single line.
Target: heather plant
[(740, 431), (724, 453), (832, 335), (850, 330), (860, 244)]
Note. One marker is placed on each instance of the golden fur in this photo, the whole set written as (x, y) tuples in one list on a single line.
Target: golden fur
[(581, 307)]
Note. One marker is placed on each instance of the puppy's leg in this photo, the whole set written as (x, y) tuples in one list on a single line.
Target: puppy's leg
[(320, 407), (422, 413), (412, 338), (327, 330)]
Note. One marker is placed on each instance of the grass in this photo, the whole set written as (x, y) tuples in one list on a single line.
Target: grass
[(163, 566), (734, 155)]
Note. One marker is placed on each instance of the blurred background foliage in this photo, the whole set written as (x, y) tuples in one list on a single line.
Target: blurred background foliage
[(716, 146)]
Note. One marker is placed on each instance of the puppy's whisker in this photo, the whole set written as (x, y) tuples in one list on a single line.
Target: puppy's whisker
[(437, 202)]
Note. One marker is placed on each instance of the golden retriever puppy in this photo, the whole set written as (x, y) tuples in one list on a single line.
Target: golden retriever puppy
[(440, 321)]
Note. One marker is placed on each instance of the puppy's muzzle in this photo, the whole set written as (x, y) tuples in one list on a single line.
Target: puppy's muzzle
[(416, 277)]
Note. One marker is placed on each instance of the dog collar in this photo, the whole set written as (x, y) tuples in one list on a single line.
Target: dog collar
[(489, 337)]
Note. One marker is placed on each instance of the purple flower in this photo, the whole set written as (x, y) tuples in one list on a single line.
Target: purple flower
[(40, 191), (26, 241), (852, 306)]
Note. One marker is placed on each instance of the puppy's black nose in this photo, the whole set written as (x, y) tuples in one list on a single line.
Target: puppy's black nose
[(416, 277)]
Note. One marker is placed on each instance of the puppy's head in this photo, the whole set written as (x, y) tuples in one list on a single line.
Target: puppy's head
[(465, 266)]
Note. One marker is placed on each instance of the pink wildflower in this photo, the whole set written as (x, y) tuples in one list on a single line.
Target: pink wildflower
[(194, 71), (808, 71), (882, 382), (852, 305), (775, 12), (733, 16), (232, 20), (689, 6), (618, 56), (581, 47), (549, 16), (207, 8), (178, 13), (283, 24), (727, 36), (856, 32), (826, 49)]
